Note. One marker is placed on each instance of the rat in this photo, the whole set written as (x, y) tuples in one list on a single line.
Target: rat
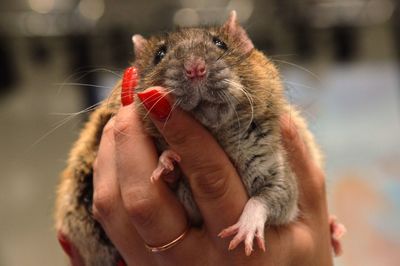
[(235, 91)]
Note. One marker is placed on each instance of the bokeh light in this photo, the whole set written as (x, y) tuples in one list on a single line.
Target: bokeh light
[(92, 9), (42, 6)]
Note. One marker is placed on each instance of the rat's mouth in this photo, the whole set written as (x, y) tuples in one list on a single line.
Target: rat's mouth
[(192, 90), (188, 99), (208, 99), (194, 94), (212, 115)]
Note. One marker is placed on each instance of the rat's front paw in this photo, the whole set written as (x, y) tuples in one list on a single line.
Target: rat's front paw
[(250, 225), (337, 232), (165, 167)]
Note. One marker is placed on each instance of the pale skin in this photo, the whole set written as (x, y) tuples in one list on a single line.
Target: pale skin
[(133, 209)]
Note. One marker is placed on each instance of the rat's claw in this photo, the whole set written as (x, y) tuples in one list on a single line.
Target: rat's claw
[(157, 173), (337, 231), (260, 241), (231, 230), (248, 244), (239, 237), (167, 159), (250, 225), (248, 249), (165, 167), (242, 235)]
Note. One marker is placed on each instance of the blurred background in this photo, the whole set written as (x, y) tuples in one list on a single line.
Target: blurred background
[(339, 61)]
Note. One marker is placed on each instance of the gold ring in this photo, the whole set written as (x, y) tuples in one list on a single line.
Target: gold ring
[(169, 245)]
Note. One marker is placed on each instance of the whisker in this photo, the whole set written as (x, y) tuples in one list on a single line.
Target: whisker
[(141, 103), (57, 126), (84, 73), (298, 67), (86, 110), (240, 88), (294, 86), (71, 116), (225, 96), (282, 55), (174, 106), (81, 84), (109, 98), (151, 108), (299, 85), (250, 99), (225, 53)]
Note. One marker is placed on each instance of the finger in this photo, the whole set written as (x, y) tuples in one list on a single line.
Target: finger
[(107, 201), (69, 248), (216, 186), (311, 179), (153, 209)]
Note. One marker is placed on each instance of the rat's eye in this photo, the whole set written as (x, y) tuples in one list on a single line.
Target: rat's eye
[(161, 52), (219, 43)]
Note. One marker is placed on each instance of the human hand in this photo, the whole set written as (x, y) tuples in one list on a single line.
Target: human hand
[(149, 212)]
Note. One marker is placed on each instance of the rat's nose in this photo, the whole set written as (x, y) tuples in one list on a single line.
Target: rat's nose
[(195, 68)]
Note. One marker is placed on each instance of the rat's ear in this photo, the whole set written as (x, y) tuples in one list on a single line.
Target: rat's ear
[(233, 28), (138, 44)]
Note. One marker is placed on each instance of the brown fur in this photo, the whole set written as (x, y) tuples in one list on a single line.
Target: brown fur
[(252, 70)]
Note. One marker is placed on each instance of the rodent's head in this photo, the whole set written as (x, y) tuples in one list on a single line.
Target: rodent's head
[(201, 67)]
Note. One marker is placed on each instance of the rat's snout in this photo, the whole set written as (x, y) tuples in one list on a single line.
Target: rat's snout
[(195, 68)]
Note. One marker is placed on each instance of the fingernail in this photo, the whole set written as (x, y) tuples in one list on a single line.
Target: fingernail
[(129, 82), (156, 103), (65, 244), (68, 247), (121, 262)]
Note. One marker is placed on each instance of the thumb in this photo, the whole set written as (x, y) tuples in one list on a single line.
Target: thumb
[(213, 179), (311, 180)]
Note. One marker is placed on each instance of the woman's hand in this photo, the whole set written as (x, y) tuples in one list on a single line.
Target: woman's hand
[(134, 211)]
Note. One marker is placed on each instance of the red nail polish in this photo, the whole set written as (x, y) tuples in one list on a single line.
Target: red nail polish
[(156, 103), (129, 82), (121, 262), (65, 244), (68, 247)]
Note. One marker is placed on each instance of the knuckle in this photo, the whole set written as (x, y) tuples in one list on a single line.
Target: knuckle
[(96, 214), (95, 166), (121, 129), (109, 127), (141, 211), (178, 138), (289, 132), (102, 205), (108, 131), (319, 183), (315, 193), (183, 136), (212, 183)]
